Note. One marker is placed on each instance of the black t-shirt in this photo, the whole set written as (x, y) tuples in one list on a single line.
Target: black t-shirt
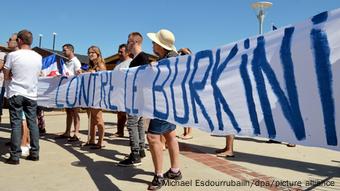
[(140, 59)]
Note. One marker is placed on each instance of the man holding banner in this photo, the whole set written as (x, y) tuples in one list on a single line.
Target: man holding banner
[(124, 62), (135, 123), (72, 68), (163, 46)]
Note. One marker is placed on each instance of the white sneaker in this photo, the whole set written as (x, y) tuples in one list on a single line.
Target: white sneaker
[(25, 151), (6, 156)]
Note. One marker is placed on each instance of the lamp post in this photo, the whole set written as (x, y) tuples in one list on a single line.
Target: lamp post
[(40, 38), (54, 34), (260, 8)]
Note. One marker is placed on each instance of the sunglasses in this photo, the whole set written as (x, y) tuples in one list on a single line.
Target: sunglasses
[(10, 39)]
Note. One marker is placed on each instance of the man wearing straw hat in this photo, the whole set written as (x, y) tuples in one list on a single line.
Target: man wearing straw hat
[(163, 46)]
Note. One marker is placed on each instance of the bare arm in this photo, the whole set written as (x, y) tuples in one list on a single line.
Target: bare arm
[(1, 64), (78, 72), (101, 66), (7, 75)]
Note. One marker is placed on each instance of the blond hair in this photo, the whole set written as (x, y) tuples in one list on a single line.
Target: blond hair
[(100, 59)]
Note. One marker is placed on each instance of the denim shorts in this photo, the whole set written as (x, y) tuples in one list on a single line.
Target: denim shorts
[(160, 127)]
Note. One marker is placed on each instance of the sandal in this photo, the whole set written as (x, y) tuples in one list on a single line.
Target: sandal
[(73, 139), (63, 136), (291, 145), (117, 135), (97, 147), (220, 150), (273, 141), (185, 137), (226, 155), (89, 144)]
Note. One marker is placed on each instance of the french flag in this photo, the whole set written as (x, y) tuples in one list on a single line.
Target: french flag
[(51, 66), (274, 27)]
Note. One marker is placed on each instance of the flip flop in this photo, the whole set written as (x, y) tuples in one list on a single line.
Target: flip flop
[(273, 141), (116, 135), (97, 147), (73, 139), (185, 138), (290, 145), (89, 144), (224, 155), (220, 150), (62, 136)]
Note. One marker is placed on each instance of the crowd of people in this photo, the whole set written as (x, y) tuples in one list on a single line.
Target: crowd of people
[(21, 69)]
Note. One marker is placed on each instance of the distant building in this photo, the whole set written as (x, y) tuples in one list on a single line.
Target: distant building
[(84, 60), (4, 49), (110, 61)]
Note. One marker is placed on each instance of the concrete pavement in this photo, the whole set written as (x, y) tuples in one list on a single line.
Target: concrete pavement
[(257, 165)]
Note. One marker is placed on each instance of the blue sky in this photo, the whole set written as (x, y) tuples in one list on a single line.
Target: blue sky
[(197, 24)]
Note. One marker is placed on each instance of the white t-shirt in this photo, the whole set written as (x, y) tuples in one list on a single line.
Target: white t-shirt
[(124, 64), (72, 66), (25, 66)]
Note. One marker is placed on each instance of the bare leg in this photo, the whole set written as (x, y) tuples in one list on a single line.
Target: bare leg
[(25, 134), (173, 148), (121, 120), (101, 127), (187, 133), (163, 141), (69, 116), (156, 149), (228, 151), (76, 121), (25, 140), (100, 134), (92, 139)]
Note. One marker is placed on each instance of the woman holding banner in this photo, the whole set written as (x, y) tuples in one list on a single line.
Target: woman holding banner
[(96, 64), (163, 46), (187, 134)]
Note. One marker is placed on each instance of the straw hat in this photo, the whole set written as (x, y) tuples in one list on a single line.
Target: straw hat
[(164, 38)]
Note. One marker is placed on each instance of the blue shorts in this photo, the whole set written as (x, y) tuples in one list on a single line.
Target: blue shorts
[(160, 127), (23, 115)]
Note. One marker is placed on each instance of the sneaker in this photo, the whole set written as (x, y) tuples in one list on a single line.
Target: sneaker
[(6, 156), (156, 183), (11, 161), (130, 161), (142, 153), (42, 132), (73, 139), (32, 158), (25, 151), (171, 175)]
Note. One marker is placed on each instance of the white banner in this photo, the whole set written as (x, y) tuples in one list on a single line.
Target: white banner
[(284, 85)]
